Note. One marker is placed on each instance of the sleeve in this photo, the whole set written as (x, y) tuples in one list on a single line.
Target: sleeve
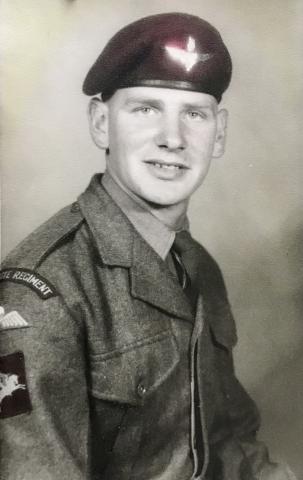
[(43, 395), (239, 455)]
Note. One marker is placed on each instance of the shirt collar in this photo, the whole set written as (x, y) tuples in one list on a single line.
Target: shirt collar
[(158, 235)]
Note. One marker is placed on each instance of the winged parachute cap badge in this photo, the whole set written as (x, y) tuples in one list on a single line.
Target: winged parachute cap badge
[(189, 57)]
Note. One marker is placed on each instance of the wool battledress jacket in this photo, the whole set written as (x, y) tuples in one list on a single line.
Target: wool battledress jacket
[(100, 354)]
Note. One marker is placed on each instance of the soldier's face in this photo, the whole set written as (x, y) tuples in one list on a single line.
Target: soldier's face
[(161, 141)]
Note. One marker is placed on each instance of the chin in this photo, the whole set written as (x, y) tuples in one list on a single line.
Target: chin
[(164, 200)]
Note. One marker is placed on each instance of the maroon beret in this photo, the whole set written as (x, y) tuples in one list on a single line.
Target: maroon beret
[(170, 50)]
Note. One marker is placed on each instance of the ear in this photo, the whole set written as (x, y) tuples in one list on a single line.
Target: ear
[(219, 145), (98, 122)]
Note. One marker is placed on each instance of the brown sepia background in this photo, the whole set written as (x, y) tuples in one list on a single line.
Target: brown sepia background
[(249, 211)]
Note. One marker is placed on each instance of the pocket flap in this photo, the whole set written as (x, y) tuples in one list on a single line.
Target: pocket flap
[(134, 372), (223, 327)]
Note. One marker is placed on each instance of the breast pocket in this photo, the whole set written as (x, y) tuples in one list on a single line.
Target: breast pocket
[(132, 373), (121, 383), (215, 356)]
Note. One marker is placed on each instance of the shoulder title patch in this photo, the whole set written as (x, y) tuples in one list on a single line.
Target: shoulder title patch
[(30, 279), (14, 396)]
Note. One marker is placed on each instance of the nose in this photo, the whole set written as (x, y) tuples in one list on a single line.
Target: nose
[(170, 135)]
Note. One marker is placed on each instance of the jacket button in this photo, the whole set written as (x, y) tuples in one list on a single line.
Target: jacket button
[(75, 207), (141, 390)]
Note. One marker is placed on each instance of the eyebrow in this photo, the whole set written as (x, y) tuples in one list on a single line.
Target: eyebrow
[(199, 106), (152, 101)]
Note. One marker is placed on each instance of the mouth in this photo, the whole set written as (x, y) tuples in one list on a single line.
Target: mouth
[(169, 166)]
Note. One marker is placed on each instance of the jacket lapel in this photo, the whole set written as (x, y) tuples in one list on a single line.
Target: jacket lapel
[(152, 282), (119, 244)]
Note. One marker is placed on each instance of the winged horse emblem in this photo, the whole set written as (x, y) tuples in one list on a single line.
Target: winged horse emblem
[(9, 383)]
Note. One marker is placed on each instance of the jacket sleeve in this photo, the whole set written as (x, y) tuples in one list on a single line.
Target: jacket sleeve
[(239, 455), (43, 399)]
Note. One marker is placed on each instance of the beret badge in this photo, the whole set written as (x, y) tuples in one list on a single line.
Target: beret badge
[(188, 57)]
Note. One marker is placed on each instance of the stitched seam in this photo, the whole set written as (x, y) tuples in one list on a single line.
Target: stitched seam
[(115, 398), (126, 348), (56, 243)]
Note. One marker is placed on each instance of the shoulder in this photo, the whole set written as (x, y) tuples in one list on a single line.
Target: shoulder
[(59, 229), (39, 268)]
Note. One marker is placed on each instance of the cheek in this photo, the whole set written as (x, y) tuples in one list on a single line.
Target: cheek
[(135, 142), (201, 142)]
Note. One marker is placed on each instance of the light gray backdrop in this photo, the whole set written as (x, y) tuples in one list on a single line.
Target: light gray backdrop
[(249, 211)]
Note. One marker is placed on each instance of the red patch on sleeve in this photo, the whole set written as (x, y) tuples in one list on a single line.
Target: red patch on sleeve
[(14, 395)]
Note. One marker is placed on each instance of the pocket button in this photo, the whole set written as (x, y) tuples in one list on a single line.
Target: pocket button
[(75, 207), (141, 390)]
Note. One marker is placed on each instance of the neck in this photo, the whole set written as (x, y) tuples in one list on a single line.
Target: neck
[(173, 216)]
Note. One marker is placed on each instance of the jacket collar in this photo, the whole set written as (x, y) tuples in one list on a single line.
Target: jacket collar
[(158, 235), (119, 244)]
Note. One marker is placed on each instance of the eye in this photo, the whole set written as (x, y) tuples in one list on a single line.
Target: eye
[(145, 110), (196, 115)]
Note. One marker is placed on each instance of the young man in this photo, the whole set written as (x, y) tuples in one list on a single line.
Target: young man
[(115, 328)]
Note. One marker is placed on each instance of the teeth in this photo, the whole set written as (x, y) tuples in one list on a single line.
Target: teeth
[(167, 167)]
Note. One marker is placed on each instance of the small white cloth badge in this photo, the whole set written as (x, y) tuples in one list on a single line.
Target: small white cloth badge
[(11, 320)]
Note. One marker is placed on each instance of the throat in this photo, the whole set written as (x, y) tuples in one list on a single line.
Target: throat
[(173, 216)]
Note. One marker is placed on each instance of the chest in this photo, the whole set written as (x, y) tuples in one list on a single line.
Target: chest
[(139, 378)]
